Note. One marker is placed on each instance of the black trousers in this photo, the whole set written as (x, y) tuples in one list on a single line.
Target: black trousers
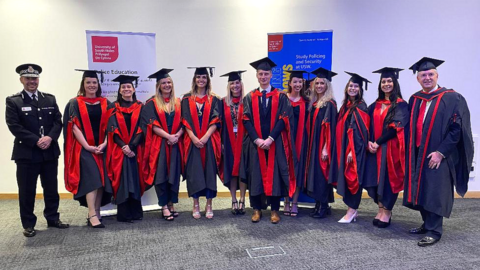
[(27, 175), (165, 194), (131, 209), (261, 202), (433, 223)]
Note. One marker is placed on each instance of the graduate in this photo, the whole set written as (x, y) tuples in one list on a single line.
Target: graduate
[(125, 151), (440, 151), (352, 143), (321, 166), (85, 172), (163, 156), (299, 101), (201, 118), (385, 169), (232, 139), (268, 153)]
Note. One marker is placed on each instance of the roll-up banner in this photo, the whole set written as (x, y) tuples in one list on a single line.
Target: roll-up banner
[(124, 53)]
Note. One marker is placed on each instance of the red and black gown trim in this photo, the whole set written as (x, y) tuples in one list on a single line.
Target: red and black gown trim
[(232, 140), (201, 165), (385, 170), (447, 129), (269, 172), (163, 164), (321, 174), (351, 136), (85, 171), (299, 133)]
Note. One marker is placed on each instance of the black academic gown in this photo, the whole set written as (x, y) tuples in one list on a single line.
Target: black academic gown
[(232, 139), (163, 162), (446, 129), (84, 172), (352, 136), (268, 172), (299, 133), (201, 165), (321, 131), (385, 170)]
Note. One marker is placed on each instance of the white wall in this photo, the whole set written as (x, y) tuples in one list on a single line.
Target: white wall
[(229, 34)]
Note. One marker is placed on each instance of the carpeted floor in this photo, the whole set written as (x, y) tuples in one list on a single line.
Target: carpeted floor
[(222, 243)]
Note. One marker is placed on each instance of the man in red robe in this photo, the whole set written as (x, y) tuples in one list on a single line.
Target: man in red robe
[(440, 151)]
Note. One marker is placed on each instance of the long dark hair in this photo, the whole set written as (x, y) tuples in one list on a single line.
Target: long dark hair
[(119, 96), (394, 95), (358, 98), (81, 91), (303, 91)]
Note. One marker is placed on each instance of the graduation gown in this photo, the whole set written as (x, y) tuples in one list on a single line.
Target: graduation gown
[(232, 142), (388, 164), (321, 174), (163, 163), (85, 171), (351, 136), (446, 129), (270, 172), (124, 172), (201, 165), (299, 133)]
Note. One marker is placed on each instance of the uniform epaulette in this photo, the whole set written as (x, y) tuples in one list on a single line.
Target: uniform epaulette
[(16, 94), (46, 94)]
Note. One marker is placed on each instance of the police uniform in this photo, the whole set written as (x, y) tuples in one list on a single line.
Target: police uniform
[(30, 118)]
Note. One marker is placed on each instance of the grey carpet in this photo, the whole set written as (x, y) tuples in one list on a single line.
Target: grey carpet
[(221, 243)]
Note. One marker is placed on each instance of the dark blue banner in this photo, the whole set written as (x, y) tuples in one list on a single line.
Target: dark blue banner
[(298, 51)]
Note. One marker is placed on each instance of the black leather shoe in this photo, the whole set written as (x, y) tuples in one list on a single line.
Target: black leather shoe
[(29, 232), (57, 224), (315, 210), (419, 230), (375, 222), (427, 241), (323, 212)]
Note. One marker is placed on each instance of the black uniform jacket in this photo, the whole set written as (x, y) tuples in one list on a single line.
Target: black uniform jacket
[(28, 120)]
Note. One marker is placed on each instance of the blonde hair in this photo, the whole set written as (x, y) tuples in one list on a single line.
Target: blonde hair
[(327, 95), (228, 98), (208, 90), (160, 103)]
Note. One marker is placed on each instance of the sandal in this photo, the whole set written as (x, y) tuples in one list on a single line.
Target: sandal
[(241, 208), (208, 214), (235, 208), (98, 226), (292, 212), (196, 212), (172, 210), (286, 208), (167, 217)]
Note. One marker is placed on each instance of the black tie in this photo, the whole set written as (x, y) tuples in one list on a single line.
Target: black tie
[(264, 100), (34, 99)]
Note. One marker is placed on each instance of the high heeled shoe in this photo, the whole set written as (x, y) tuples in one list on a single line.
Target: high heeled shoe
[(167, 217), (286, 208), (172, 210), (208, 214), (352, 218), (98, 226), (241, 208), (382, 224), (375, 220), (234, 208), (315, 210), (196, 212), (292, 212)]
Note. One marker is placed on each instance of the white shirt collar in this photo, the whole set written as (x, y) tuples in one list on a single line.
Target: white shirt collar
[(269, 88), (434, 89), (30, 93)]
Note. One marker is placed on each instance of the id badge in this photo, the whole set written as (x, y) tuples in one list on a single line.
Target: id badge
[(235, 129)]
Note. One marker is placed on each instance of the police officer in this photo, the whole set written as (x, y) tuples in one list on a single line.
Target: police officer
[(34, 119)]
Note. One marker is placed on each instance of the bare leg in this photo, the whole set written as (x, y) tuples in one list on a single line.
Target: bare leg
[(196, 209), (380, 211), (208, 209), (294, 210), (91, 199), (98, 202)]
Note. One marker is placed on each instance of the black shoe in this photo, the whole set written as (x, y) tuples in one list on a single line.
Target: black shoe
[(57, 224), (29, 232), (382, 224), (241, 208), (419, 230), (315, 210), (375, 222), (169, 217), (234, 208), (427, 241), (98, 226), (323, 213), (126, 220)]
